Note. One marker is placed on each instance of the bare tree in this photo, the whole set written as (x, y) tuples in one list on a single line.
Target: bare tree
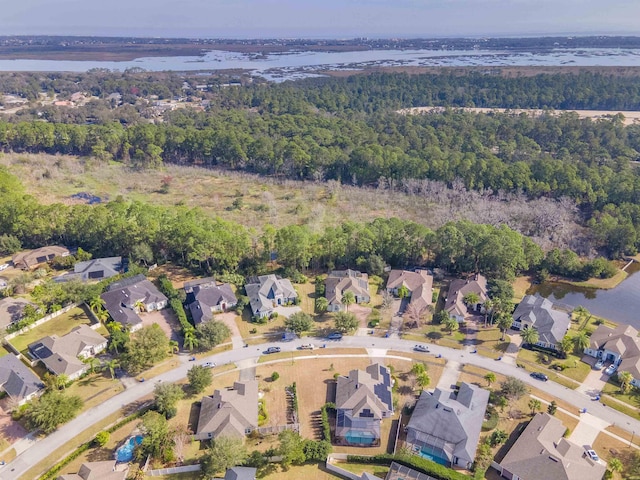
[(182, 438), (413, 314)]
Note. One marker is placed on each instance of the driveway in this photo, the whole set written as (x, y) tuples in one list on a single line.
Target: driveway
[(229, 319), (286, 312), (595, 381), (587, 430), (165, 319), (10, 430)]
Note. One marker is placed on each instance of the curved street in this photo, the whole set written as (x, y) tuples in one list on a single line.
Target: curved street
[(32, 455)]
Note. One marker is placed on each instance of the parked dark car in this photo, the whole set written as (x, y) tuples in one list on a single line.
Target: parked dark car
[(540, 376), (335, 336)]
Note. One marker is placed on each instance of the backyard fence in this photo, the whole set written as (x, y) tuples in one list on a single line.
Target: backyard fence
[(174, 470), (44, 319)]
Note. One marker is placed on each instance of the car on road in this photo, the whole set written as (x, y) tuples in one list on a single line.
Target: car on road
[(611, 369), (272, 350), (421, 348), (539, 376), (307, 346), (592, 454), (335, 336), (599, 364), (208, 364), (4, 266)]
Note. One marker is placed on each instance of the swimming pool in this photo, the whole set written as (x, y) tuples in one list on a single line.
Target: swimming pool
[(125, 452), (433, 458), (359, 438)]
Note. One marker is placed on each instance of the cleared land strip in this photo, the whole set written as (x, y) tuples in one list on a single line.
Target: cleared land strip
[(630, 117)]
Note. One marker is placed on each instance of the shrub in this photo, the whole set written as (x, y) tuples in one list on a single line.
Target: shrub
[(275, 376), (102, 438)]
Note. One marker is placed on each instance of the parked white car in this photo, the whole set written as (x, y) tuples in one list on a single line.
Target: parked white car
[(611, 369), (4, 266)]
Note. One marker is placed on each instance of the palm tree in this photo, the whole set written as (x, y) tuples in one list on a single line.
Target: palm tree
[(615, 465), (534, 405), (423, 380), (581, 313), (625, 379), (581, 341), (92, 362), (174, 347), (348, 298), (567, 344), (140, 306), (96, 304), (470, 299), (490, 378), (488, 307), (190, 339), (322, 304), (530, 335), (505, 320), (61, 381), (452, 325), (111, 365), (502, 402)]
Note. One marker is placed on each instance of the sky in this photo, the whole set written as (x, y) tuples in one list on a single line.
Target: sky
[(318, 18)]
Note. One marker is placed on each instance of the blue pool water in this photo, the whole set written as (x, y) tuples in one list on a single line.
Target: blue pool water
[(433, 458), (360, 438), (125, 452)]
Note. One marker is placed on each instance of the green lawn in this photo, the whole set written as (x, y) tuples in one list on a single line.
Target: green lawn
[(489, 342), (58, 326), (537, 362), (632, 399)]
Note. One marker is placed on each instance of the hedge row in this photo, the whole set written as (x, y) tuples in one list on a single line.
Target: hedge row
[(437, 471), (326, 427), (175, 302), (53, 472)]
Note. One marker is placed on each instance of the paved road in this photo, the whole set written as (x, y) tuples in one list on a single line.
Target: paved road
[(40, 449)]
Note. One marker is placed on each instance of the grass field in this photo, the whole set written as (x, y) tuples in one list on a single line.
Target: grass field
[(57, 326)]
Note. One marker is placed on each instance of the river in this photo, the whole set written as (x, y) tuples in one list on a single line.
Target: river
[(291, 65), (619, 304)]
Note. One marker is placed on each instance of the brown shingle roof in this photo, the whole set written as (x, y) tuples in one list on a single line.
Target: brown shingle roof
[(461, 287), (230, 412), (39, 255)]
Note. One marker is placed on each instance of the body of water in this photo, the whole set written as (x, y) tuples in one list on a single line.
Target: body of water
[(619, 304), (291, 65)]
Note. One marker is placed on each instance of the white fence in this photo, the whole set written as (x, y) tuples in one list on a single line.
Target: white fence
[(174, 470), (44, 319), (340, 471)]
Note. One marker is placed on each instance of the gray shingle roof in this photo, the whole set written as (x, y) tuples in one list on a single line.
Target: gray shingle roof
[(99, 268), (230, 412), (16, 379), (121, 297), (263, 290), (60, 354), (551, 324), (203, 297), (450, 423), (542, 452), (240, 473)]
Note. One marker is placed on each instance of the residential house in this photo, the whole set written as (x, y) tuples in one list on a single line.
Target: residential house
[(539, 313), (363, 400), (455, 305), (445, 426), (206, 297), (32, 258), (541, 451), (11, 310), (64, 355), (240, 473), (229, 413), (267, 292), (95, 269), (126, 298), (17, 380), (620, 346), (104, 470), (419, 285), (340, 281)]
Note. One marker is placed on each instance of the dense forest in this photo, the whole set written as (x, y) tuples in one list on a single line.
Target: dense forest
[(150, 233), (348, 130)]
